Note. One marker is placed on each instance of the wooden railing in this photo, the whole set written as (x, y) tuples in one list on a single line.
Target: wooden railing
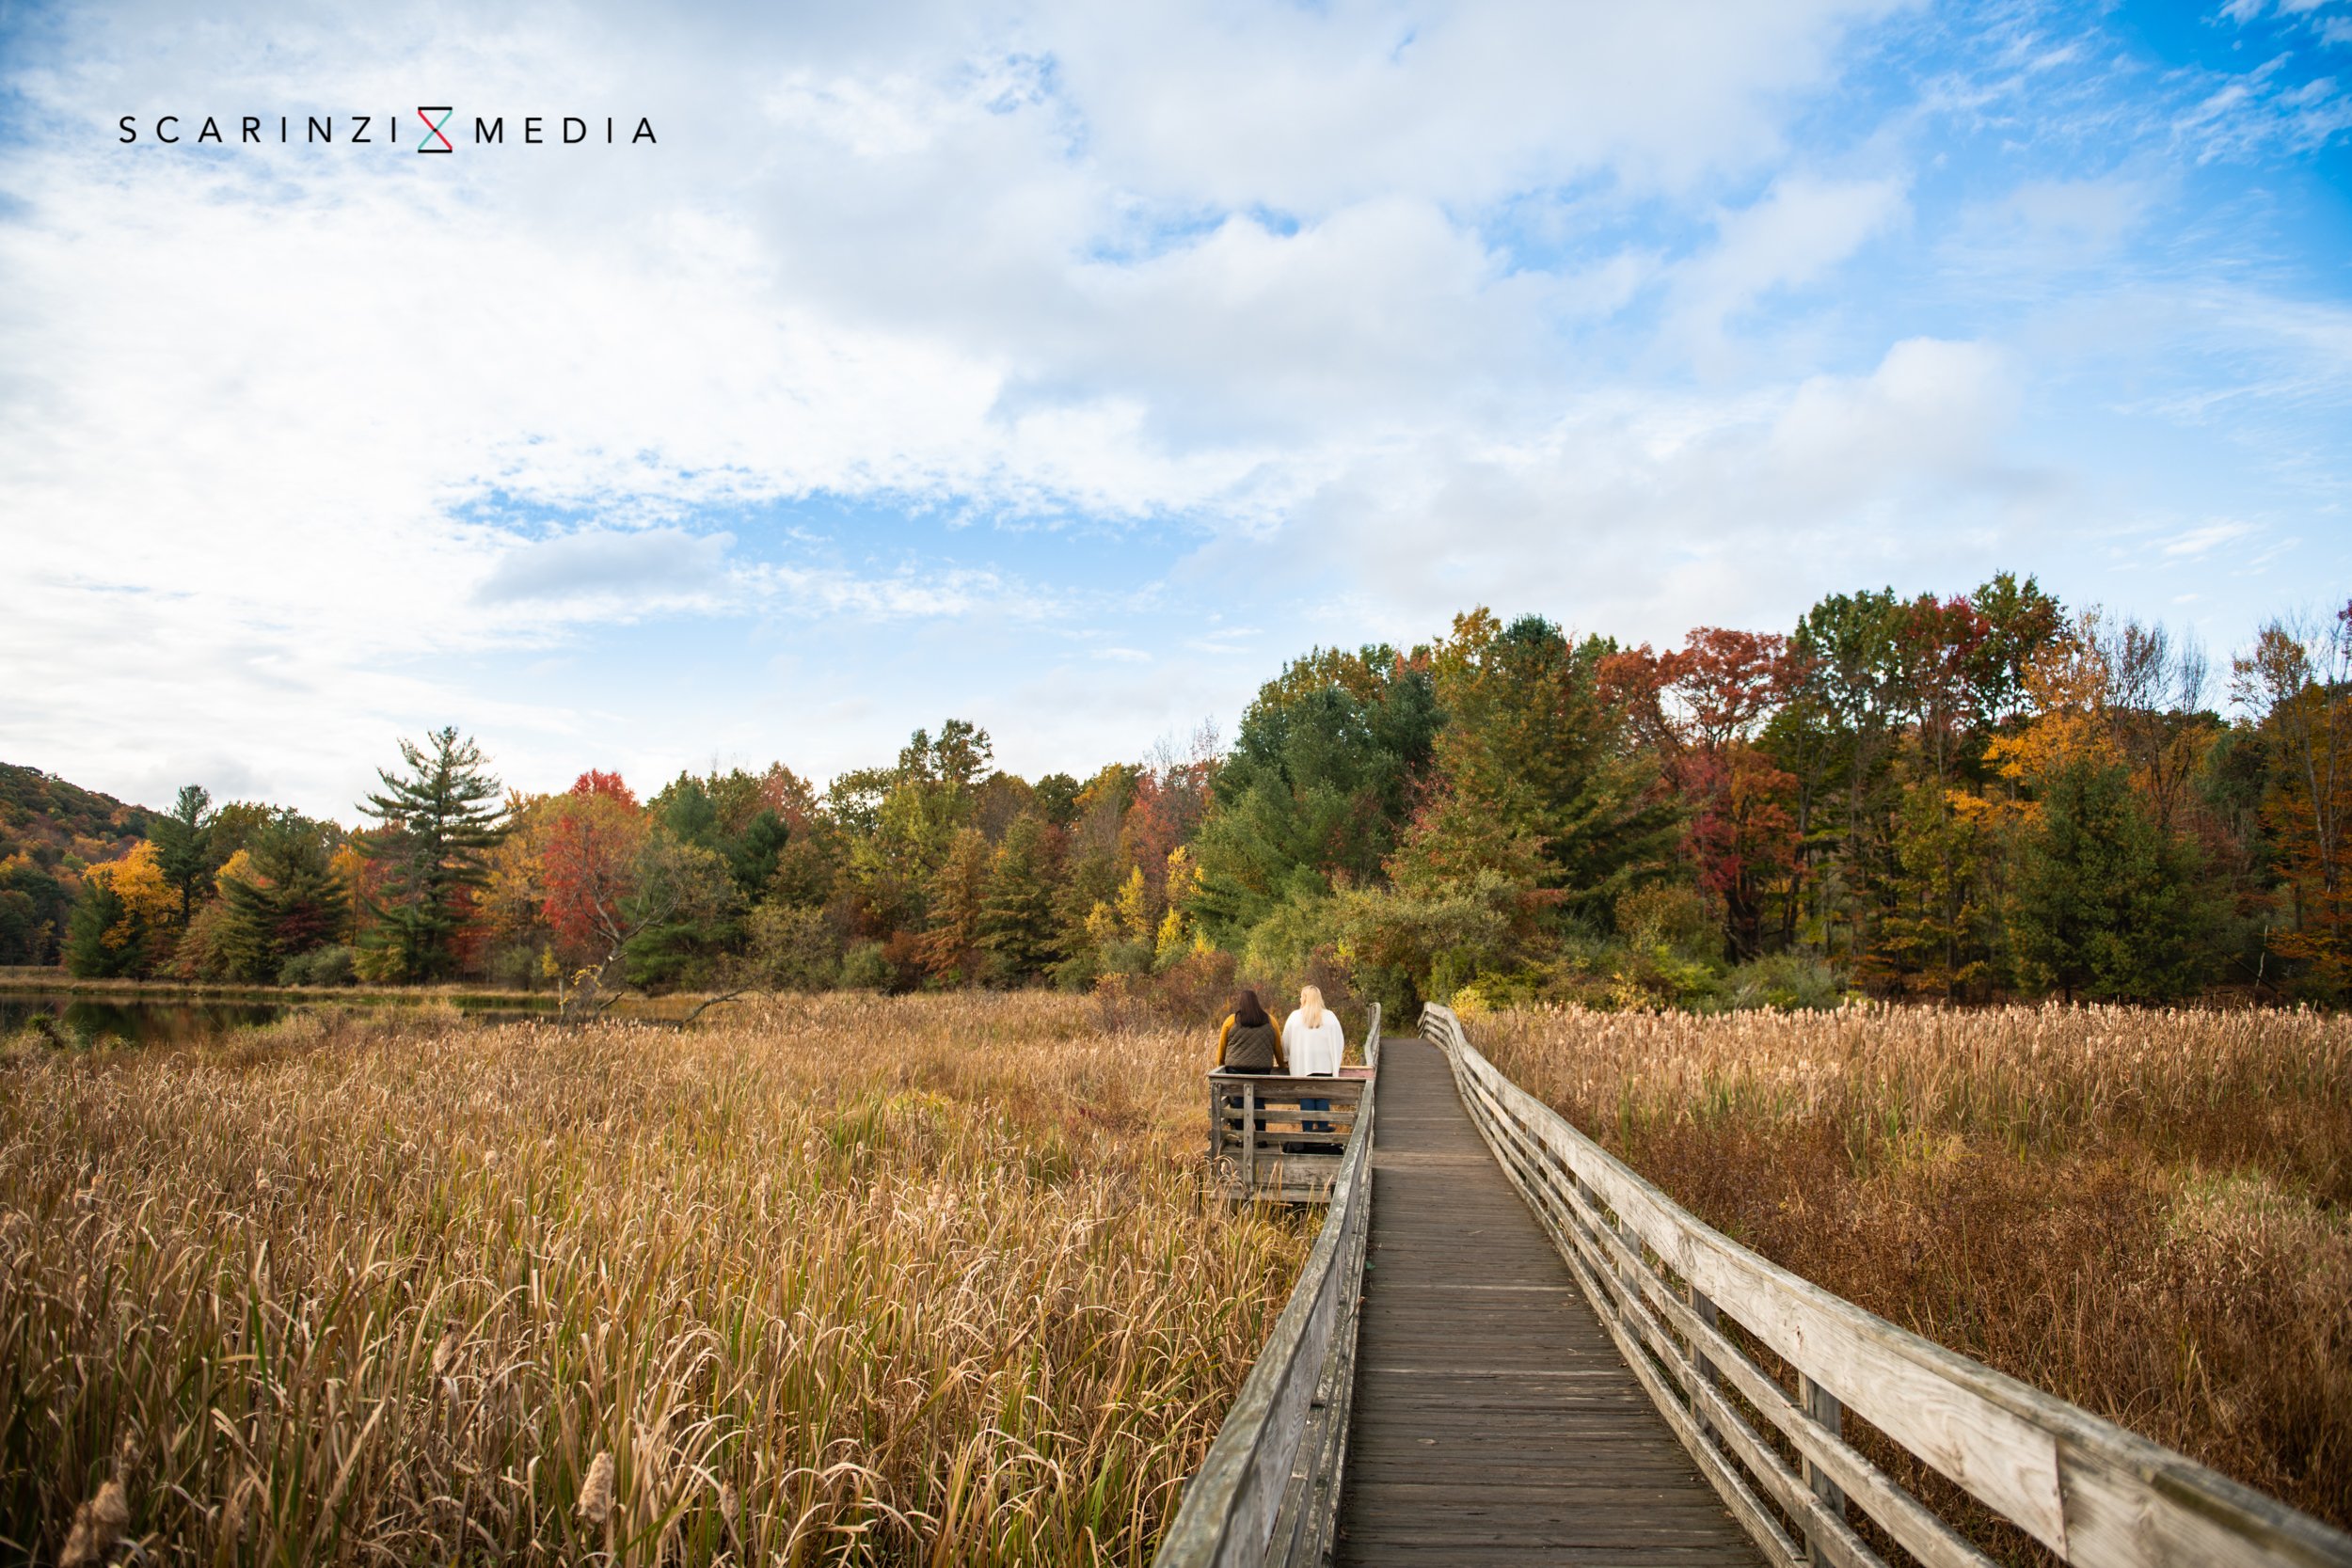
[(1664, 1283), (1268, 1493)]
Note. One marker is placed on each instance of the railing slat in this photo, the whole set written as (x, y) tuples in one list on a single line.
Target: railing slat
[(2092, 1492)]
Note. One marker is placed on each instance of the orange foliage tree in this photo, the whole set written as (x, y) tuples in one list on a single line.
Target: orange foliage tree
[(589, 844)]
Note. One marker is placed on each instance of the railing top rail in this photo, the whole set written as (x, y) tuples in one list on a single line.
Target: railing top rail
[(2092, 1490), (1226, 1513)]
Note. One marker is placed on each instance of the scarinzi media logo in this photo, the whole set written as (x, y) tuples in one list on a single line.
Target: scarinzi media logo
[(432, 134), (439, 129)]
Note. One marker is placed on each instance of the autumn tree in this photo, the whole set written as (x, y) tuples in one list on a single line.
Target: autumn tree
[(901, 819), (590, 841), (2157, 688), (438, 819), (2296, 681), (1942, 929), (950, 949), (1701, 707), (122, 924)]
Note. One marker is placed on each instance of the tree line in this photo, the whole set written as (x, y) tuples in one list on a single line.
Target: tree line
[(1951, 797)]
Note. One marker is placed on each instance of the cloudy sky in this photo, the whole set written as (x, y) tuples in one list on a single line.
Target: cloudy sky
[(1068, 367)]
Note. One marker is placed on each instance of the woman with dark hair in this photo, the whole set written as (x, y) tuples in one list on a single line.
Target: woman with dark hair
[(1248, 1042)]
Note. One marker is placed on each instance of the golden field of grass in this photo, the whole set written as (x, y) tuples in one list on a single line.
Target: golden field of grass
[(2147, 1212), (841, 1279)]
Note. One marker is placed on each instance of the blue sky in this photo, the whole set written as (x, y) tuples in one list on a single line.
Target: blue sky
[(1067, 367)]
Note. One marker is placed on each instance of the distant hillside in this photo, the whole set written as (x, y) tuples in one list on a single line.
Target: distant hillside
[(49, 831)]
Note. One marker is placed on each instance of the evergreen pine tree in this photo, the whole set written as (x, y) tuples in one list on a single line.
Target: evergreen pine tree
[(2102, 904), (751, 858), (1539, 779), (439, 822), (1017, 924), (183, 845), (292, 902), (87, 954)]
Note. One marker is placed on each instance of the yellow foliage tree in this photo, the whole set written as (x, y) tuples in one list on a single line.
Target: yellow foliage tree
[(2068, 684), (1135, 907), (147, 900), (1177, 932)]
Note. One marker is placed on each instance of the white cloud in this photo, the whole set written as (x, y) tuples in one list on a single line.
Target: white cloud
[(658, 565), (2202, 541), (1793, 235), (1647, 514)]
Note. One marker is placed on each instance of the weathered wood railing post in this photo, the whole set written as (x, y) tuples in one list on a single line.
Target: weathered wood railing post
[(1249, 1137), (1700, 1374), (1822, 1405)]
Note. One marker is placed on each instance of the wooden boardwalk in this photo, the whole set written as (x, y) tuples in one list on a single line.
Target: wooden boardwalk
[(1494, 1421)]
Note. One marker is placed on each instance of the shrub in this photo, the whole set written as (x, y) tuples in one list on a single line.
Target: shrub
[(521, 965), (866, 967), (1669, 915), (794, 948), (1792, 982), (332, 965)]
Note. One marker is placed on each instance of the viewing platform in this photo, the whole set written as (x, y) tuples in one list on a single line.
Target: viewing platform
[(1265, 1142)]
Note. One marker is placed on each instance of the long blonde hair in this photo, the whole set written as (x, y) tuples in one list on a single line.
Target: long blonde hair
[(1311, 1006)]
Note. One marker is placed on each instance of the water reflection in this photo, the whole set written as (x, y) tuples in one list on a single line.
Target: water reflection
[(170, 1021)]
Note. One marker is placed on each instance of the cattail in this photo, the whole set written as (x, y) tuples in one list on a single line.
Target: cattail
[(596, 1493), (731, 1510), (98, 1524), (127, 1457)]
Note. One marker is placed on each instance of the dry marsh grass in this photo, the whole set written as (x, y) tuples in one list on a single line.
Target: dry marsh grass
[(2147, 1212), (836, 1279)]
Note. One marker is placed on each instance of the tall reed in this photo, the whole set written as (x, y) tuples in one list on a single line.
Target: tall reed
[(836, 1279)]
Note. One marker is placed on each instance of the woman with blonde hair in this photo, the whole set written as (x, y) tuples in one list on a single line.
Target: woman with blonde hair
[(1313, 1041), (1311, 1037)]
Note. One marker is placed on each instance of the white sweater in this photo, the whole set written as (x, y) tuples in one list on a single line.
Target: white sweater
[(1313, 1050)]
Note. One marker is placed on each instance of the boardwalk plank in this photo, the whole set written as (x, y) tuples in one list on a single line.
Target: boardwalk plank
[(1494, 1421)]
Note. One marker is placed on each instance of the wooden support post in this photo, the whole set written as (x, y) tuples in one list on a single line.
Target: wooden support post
[(1702, 1370), (1248, 1139), (1630, 1288), (1822, 1406)]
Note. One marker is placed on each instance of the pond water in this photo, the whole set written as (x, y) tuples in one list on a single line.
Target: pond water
[(171, 1020)]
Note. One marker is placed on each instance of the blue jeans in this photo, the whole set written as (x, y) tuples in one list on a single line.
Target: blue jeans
[(1315, 1126)]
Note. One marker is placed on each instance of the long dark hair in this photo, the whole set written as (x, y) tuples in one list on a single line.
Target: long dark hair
[(1247, 1011)]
